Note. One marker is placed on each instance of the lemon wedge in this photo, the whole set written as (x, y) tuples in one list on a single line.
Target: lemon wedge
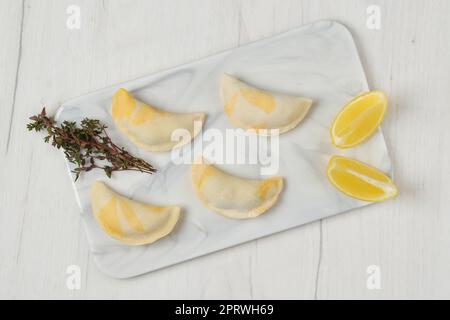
[(359, 119), (129, 221), (359, 180)]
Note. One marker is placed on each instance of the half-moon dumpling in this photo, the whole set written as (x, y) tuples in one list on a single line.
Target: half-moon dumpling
[(231, 196), (129, 221), (250, 108), (150, 128)]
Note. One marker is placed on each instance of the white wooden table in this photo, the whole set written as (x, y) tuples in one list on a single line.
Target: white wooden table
[(42, 61)]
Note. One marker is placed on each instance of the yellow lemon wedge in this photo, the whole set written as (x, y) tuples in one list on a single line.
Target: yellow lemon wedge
[(359, 119), (129, 221), (232, 196), (359, 180)]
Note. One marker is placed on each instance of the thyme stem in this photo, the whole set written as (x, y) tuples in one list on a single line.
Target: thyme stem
[(86, 145)]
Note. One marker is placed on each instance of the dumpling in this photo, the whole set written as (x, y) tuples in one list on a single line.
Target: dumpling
[(129, 221), (231, 196), (149, 128), (250, 108)]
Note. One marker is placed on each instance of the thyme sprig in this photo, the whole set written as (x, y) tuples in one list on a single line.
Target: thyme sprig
[(87, 146)]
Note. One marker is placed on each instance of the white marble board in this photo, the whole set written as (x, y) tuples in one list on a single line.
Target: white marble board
[(319, 61)]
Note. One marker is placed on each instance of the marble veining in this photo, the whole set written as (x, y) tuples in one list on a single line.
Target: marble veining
[(319, 61)]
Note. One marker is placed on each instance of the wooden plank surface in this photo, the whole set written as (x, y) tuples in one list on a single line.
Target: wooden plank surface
[(44, 62)]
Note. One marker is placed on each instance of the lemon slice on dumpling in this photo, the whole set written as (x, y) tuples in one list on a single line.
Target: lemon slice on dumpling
[(231, 196), (248, 107), (129, 221), (150, 128)]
